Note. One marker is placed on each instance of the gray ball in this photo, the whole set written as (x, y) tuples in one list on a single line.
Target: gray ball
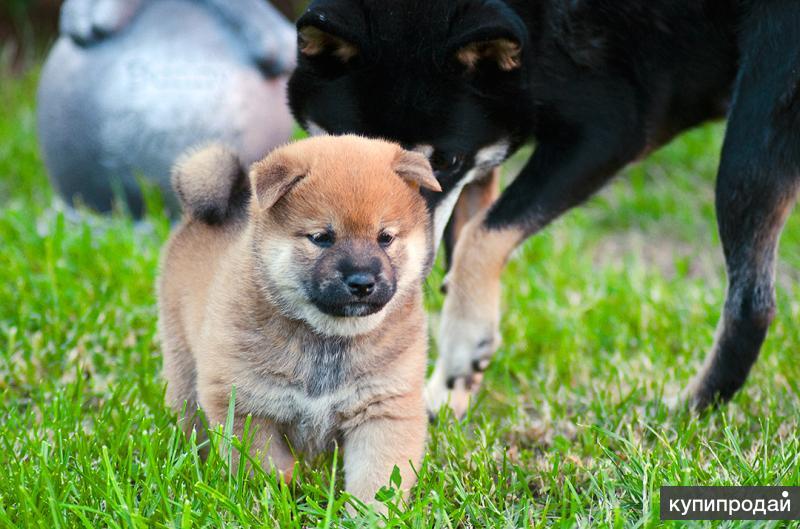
[(124, 107)]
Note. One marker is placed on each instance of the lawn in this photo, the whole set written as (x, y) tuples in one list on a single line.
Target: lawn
[(608, 310)]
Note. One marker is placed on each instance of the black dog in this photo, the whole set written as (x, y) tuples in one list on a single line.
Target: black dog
[(598, 84)]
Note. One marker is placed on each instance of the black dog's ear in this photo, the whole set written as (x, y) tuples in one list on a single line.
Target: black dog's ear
[(331, 27), (488, 31)]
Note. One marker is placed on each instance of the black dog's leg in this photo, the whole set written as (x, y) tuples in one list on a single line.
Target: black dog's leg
[(475, 197), (756, 188), (556, 178)]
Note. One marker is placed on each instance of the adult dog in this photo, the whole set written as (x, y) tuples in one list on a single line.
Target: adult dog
[(597, 84)]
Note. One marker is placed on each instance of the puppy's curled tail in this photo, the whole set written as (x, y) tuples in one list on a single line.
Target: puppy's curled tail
[(211, 184)]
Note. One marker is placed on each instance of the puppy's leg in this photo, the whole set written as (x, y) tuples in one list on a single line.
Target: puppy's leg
[(267, 444), (179, 372), (475, 197), (557, 177), (372, 449), (756, 188)]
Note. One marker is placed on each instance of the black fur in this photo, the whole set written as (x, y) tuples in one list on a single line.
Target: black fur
[(601, 83)]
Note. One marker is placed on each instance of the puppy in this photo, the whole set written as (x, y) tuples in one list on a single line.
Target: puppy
[(303, 291)]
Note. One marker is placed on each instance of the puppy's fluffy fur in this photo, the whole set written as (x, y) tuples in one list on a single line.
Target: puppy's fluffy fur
[(244, 277)]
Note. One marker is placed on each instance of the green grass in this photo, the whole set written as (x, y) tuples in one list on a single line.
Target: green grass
[(606, 311)]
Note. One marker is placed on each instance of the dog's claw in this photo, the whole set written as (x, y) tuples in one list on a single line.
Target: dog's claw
[(456, 393)]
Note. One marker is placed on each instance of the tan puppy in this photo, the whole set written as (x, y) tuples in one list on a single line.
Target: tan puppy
[(303, 290)]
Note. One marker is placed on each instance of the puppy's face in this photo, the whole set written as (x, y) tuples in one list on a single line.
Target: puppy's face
[(349, 274), (443, 77), (341, 230)]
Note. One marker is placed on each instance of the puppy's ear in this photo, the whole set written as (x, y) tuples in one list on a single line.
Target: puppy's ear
[(488, 32), (273, 177), (331, 28), (415, 169)]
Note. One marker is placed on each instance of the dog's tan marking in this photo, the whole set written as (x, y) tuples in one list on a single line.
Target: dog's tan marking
[(314, 41), (470, 318), (475, 197), (503, 52), (478, 261)]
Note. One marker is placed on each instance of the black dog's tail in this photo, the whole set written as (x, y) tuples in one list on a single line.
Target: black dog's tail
[(211, 184)]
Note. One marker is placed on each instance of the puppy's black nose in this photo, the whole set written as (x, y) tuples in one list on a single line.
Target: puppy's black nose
[(361, 284)]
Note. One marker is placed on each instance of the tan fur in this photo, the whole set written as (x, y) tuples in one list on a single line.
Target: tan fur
[(475, 197), (232, 314), (471, 312), (415, 168), (503, 52), (204, 179), (314, 41)]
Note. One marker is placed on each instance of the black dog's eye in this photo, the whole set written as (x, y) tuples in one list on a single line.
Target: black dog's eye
[(323, 239), (446, 162), (385, 239)]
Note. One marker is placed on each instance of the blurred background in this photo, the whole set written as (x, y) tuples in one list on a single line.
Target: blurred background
[(27, 27), (126, 86)]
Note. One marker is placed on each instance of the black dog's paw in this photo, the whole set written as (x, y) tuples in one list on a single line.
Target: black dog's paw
[(455, 393)]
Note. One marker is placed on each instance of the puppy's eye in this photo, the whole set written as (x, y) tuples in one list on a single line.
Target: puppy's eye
[(323, 239), (385, 239), (446, 162)]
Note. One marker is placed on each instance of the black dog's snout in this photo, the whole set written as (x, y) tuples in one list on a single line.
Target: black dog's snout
[(360, 284)]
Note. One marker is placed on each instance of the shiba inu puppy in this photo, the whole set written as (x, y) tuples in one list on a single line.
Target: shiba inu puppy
[(301, 287)]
